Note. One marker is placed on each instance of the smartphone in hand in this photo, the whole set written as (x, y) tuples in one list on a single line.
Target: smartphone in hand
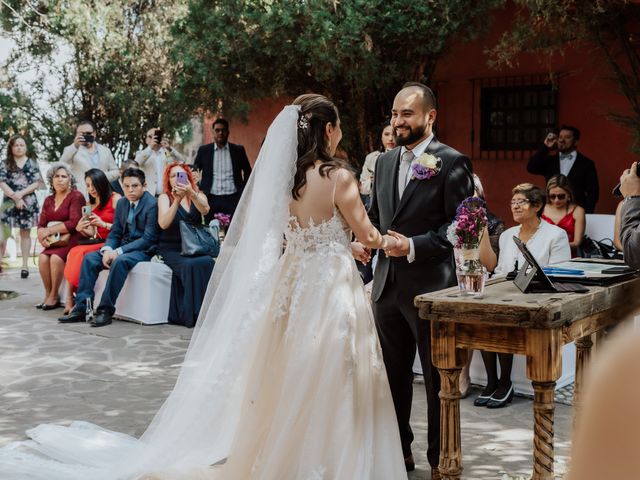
[(181, 178), (86, 211)]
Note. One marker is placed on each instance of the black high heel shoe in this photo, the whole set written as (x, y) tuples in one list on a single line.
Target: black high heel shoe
[(482, 400), (501, 402)]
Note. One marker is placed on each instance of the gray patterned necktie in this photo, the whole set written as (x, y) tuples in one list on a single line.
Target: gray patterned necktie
[(405, 164)]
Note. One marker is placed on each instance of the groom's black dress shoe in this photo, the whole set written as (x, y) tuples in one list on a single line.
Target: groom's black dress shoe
[(101, 319), (409, 463), (74, 316)]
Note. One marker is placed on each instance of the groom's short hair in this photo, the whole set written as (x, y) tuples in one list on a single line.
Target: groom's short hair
[(427, 93)]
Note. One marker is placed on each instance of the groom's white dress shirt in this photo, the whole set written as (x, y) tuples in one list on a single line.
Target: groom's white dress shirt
[(417, 151)]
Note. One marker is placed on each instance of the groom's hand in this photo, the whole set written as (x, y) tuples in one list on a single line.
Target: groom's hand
[(360, 253), (401, 248)]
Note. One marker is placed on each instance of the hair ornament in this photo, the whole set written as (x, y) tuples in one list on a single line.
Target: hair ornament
[(303, 121)]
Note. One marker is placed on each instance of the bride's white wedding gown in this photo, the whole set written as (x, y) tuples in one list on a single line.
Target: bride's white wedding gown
[(294, 387)]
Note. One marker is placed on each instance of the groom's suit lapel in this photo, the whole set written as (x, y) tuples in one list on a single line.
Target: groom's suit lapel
[(413, 183)]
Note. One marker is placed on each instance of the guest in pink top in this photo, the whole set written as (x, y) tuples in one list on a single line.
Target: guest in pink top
[(562, 211)]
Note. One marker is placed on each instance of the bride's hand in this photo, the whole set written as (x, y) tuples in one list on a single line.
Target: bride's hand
[(360, 253)]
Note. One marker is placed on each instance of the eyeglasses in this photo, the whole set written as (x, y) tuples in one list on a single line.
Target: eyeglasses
[(520, 203), (559, 196)]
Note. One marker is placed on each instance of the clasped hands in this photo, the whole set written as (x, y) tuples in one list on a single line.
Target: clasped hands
[(397, 245)]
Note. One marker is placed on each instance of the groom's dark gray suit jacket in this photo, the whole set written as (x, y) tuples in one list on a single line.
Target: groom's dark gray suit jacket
[(425, 211)]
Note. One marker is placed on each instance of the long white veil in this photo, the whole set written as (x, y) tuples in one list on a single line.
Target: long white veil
[(197, 423)]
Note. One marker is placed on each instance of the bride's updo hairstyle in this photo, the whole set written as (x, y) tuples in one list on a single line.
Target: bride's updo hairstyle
[(315, 112)]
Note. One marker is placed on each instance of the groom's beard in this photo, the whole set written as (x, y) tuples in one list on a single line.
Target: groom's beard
[(412, 137)]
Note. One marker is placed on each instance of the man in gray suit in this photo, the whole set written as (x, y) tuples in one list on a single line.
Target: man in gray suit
[(630, 220), (417, 189), (86, 153)]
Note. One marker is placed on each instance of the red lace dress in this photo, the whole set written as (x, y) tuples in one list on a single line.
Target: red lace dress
[(76, 255)]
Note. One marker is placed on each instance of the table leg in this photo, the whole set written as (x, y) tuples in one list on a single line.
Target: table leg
[(450, 443), (543, 412), (583, 356)]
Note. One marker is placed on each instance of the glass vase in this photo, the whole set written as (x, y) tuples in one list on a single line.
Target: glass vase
[(470, 272)]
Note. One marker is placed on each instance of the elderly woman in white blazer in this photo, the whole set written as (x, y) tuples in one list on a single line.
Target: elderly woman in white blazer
[(84, 154)]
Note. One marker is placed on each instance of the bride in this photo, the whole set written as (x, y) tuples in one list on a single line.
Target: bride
[(284, 377)]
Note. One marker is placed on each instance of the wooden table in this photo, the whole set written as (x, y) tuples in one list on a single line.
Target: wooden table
[(535, 325)]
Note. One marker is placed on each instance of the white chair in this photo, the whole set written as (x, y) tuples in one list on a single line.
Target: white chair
[(600, 226), (145, 296)]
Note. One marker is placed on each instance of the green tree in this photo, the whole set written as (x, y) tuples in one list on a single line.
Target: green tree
[(357, 52), (612, 27), (107, 61)]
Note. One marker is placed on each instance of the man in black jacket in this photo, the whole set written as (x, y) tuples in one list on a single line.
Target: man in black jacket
[(580, 170), (224, 171), (417, 211)]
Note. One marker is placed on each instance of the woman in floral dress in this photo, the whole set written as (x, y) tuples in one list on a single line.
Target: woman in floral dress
[(19, 179)]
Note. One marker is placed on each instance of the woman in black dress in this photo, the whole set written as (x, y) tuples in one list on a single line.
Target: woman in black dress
[(19, 179), (181, 200)]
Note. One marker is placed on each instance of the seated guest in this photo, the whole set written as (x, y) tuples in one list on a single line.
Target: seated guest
[(57, 233), (95, 226), (495, 225), (489, 259), (181, 200), (548, 244), (116, 185), (132, 239), (561, 210)]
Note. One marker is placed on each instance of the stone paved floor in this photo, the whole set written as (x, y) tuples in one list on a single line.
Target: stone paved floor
[(118, 376)]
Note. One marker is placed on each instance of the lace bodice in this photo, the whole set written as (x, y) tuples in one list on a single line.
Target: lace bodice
[(324, 236)]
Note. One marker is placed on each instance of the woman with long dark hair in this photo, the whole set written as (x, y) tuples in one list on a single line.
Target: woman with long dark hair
[(245, 405), (19, 179), (95, 226)]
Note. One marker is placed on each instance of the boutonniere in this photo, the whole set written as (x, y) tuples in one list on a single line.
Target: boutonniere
[(426, 167)]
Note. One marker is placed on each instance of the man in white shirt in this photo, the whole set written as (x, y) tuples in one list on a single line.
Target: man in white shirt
[(155, 157), (580, 170), (86, 153), (224, 171)]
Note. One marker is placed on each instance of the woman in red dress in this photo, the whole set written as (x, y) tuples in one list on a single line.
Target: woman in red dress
[(57, 231), (561, 210), (94, 228)]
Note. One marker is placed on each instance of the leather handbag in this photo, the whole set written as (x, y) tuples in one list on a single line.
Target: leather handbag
[(199, 240)]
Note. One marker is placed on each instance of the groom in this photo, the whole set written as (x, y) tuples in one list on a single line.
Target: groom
[(417, 211)]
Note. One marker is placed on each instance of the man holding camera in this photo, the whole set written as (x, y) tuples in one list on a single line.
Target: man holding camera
[(155, 157), (85, 153), (630, 216), (580, 170), (224, 171)]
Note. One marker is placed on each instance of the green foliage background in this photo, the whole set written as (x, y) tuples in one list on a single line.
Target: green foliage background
[(131, 65)]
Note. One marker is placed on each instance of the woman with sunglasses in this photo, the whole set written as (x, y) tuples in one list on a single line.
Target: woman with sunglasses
[(562, 211)]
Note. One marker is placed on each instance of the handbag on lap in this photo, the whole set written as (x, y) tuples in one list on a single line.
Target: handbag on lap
[(198, 240)]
